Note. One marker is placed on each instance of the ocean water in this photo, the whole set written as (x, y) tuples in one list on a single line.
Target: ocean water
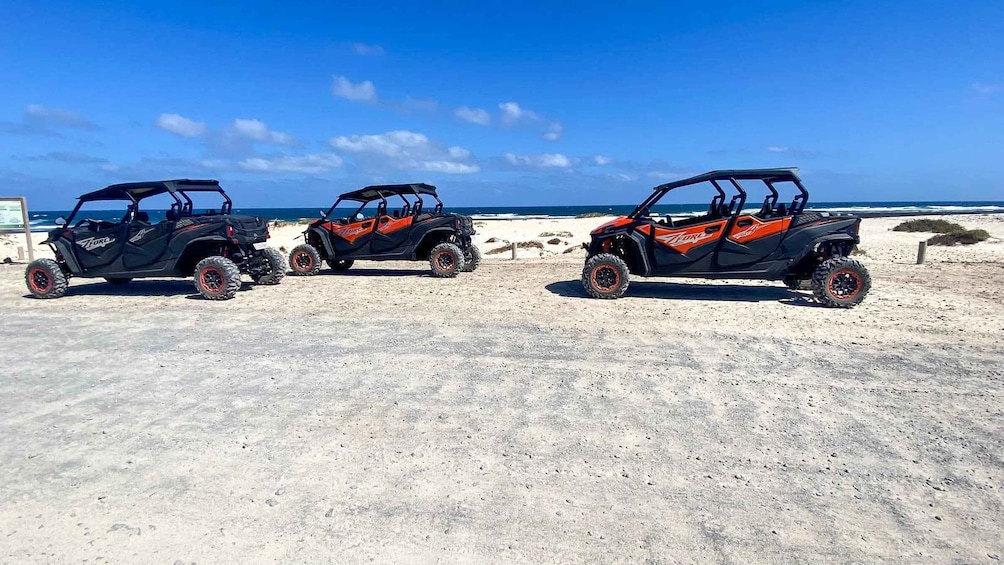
[(42, 220)]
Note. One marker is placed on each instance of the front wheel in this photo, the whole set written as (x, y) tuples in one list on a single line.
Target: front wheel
[(605, 276), (472, 258), (276, 267), (446, 260), (45, 279), (841, 282), (304, 260), (217, 278)]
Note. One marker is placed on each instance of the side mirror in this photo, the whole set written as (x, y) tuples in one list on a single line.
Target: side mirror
[(321, 213), (60, 222)]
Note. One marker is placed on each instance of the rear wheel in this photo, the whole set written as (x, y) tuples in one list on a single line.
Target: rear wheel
[(605, 276), (45, 279), (472, 258), (340, 264), (217, 278), (276, 267), (117, 281), (304, 260), (841, 282), (446, 260)]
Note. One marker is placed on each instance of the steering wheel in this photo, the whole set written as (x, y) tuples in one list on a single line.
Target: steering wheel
[(90, 223)]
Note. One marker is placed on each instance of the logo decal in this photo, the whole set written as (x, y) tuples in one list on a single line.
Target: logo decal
[(680, 239), (183, 222), (139, 235), (92, 243), (752, 229), (350, 231)]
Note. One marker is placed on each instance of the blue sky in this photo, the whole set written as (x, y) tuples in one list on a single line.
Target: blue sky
[(521, 103)]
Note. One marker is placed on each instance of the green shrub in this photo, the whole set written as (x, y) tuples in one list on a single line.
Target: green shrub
[(967, 237), (929, 226)]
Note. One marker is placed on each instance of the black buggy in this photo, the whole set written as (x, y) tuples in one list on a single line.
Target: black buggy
[(777, 241), (214, 246), (405, 233)]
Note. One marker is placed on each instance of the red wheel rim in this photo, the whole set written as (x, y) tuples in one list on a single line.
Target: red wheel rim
[(212, 279), (605, 277), (845, 284), (303, 261), (39, 280)]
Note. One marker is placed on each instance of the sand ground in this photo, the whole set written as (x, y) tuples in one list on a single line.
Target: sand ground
[(385, 416)]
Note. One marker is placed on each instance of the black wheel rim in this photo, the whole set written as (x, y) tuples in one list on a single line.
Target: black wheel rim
[(605, 277), (303, 260), (845, 284), (212, 279), (445, 260), (40, 280)]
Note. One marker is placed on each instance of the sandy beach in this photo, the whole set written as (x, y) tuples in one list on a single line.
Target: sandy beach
[(382, 415)]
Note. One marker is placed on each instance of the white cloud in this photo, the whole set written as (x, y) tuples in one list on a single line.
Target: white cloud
[(777, 149), (449, 167), (554, 131), (180, 125), (601, 160), (406, 150), (543, 161), (367, 50), (622, 177), (988, 88), (310, 164), (664, 175), (46, 116), (258, 131), (214, 164), (418, 105), (358, 92), (513, 113), (473, 115)]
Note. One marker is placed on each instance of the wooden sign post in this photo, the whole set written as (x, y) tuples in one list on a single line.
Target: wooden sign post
[(14, 219)]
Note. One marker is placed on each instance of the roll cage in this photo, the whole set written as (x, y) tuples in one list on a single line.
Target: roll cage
[(134, 192), (738, 201), (369, 194)]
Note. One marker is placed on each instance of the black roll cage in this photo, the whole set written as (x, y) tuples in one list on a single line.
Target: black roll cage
[(738, 202), (380, 192), (137, 191)]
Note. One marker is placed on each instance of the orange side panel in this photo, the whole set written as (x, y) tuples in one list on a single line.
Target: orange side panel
[(758, 229), (617, 222), (392, 225), (683, 240), (351, 232)]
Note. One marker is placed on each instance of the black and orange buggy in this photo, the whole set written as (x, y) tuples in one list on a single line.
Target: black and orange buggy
[(778, 241), (405, 233)]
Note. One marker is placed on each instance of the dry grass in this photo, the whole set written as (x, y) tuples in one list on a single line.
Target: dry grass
[(967, 237), (929, 226)]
